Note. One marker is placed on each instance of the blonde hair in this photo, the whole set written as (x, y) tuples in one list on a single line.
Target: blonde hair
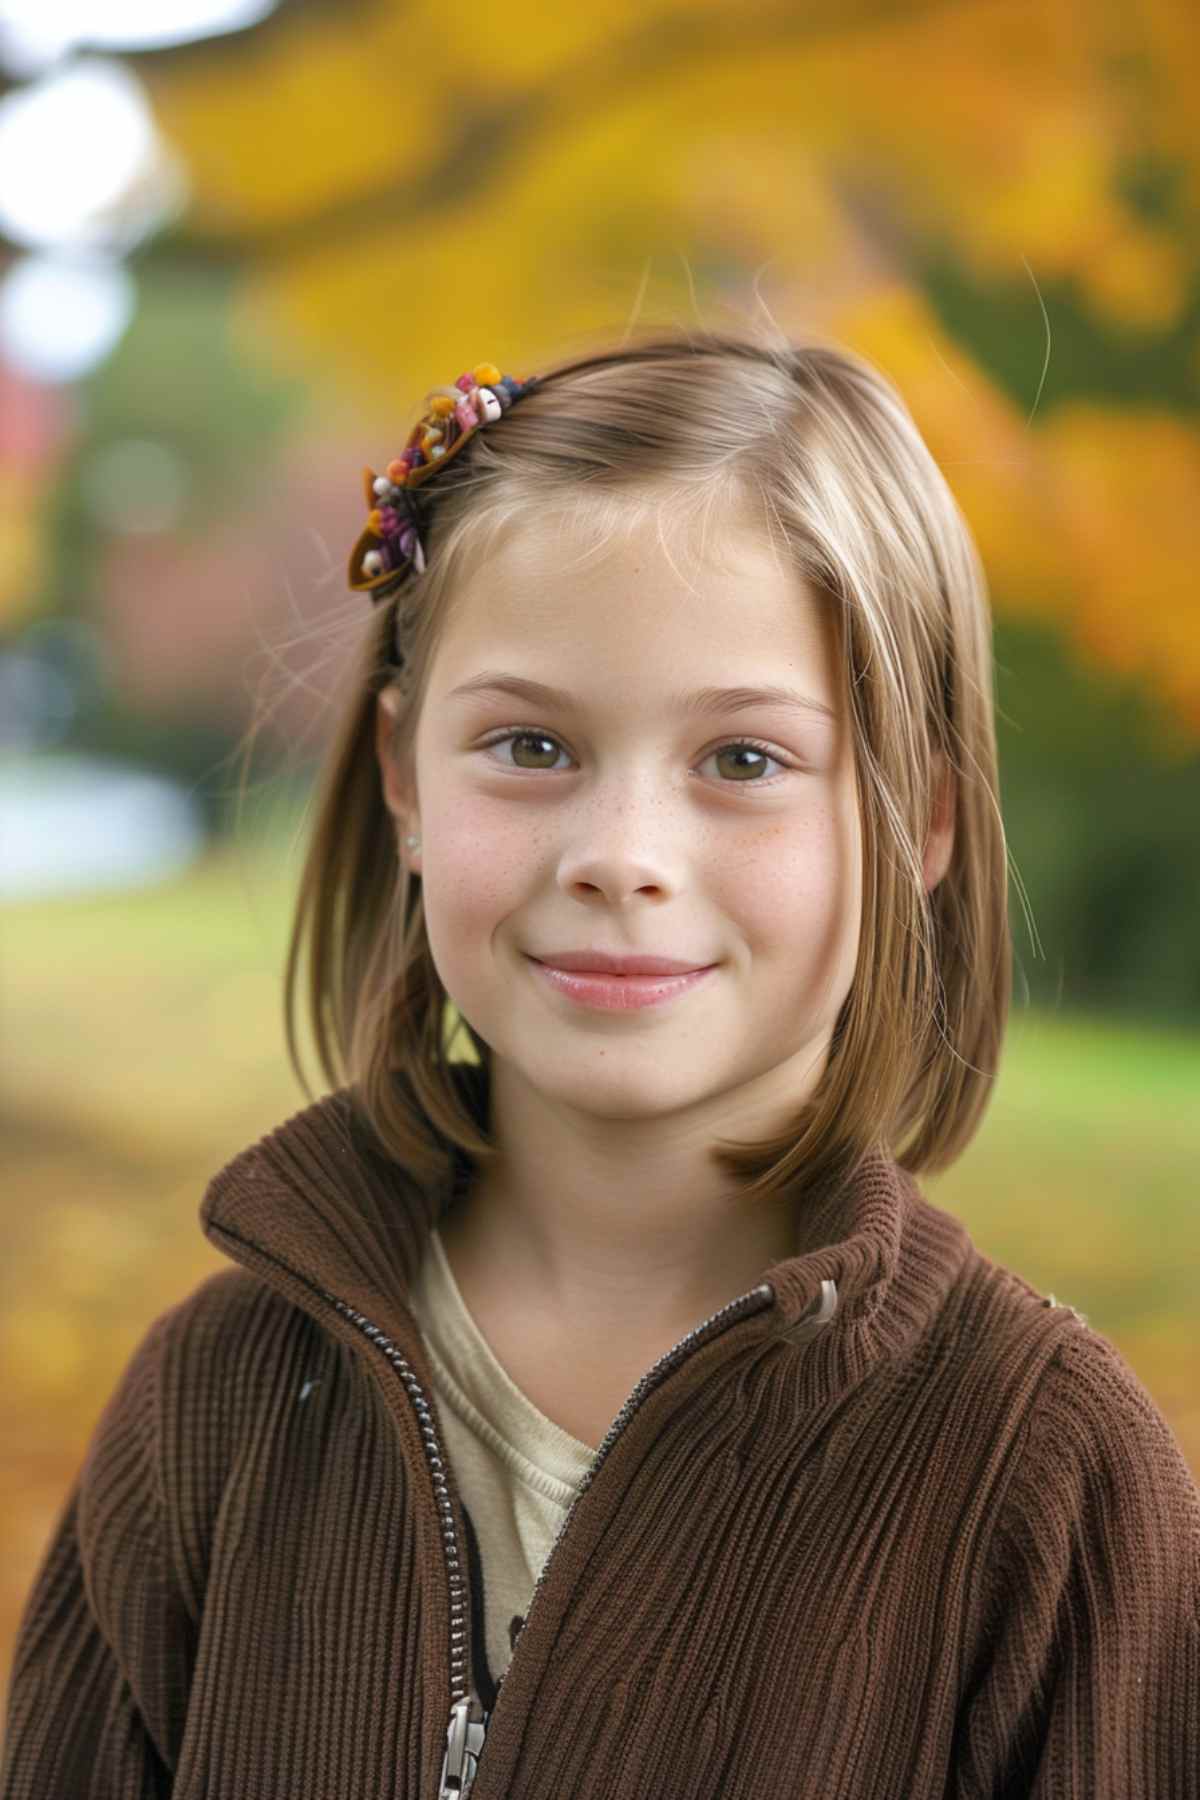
[(826, 448)]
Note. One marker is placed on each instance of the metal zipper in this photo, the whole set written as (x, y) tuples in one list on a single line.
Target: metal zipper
[(467, 1725)]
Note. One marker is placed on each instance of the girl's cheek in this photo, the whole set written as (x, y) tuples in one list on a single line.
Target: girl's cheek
[(479, 835), (798, 862), (478, 872)]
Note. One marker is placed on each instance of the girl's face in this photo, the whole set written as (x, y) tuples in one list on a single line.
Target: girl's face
[(625, 811)]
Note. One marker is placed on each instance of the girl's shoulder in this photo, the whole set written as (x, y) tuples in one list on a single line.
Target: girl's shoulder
[(1085, 1583), (1069, 1398), (1097, 1448), (191, 1393), (1091, 1463)]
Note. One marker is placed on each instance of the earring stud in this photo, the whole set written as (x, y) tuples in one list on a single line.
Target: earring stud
[(412, 843)]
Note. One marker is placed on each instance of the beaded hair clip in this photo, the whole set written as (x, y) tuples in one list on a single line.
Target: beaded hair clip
[(389, 549)]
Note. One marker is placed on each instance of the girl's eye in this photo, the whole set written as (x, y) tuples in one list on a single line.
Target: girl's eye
[(548, 748)]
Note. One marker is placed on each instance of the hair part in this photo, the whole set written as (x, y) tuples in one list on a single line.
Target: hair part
[(821, 446)]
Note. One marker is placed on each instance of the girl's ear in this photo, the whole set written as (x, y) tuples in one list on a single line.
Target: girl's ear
[(396, 797), (940, 842)]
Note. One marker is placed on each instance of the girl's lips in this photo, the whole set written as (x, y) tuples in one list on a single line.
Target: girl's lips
[(620, 993)]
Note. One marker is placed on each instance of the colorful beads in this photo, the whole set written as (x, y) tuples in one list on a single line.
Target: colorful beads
[(389, 548)]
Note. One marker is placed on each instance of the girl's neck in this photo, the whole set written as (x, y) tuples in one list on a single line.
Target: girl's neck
[(578, 1260)]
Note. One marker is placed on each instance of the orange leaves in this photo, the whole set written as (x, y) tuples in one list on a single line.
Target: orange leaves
[(407, 184), (1090, 513), (1126, 499)]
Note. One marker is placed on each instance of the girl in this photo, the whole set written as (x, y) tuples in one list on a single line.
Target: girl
[(606, 1412)]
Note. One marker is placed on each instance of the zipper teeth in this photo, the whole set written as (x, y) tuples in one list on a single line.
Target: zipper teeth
[(437, 1468), (763, 1294), (748, 1302)]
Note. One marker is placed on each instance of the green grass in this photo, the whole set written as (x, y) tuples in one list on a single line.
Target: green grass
[(1083, 1173)]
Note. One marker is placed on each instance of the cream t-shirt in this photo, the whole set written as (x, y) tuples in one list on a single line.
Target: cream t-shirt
[(516, 1470)]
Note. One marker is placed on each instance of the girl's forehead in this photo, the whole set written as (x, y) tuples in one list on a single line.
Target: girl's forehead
[(691, 600), (696, 560), (635, 615), (692, 525)]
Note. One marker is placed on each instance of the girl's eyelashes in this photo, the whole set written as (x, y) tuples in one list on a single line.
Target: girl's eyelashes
[(533, 735)]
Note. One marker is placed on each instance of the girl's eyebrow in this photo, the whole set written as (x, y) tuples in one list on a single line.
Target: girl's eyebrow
[(702, 700)]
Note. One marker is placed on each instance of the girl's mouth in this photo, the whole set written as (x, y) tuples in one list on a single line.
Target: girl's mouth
[(620, 993)]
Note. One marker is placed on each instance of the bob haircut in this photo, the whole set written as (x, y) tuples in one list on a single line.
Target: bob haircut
[(823, 449)]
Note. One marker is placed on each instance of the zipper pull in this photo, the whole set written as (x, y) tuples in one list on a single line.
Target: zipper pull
[(464, 1741)]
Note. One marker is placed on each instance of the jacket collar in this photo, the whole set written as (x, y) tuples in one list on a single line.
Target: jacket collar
[(317, 1208)]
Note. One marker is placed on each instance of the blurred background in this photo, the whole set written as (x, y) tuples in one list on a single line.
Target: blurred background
[(238, 242)]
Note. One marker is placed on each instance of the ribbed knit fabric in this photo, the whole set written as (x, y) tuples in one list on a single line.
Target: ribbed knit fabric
[(891, 1527)]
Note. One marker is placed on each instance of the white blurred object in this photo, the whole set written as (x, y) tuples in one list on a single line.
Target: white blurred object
[(74, 824), (61, 315), (81, 163), (33, 34)]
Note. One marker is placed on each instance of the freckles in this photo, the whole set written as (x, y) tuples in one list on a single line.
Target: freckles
[(485, 867), (791, 888), (786, 861)]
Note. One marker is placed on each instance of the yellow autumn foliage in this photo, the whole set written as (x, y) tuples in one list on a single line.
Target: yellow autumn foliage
[(995, 462), (1126, 497), (18, 542), (412, 188)]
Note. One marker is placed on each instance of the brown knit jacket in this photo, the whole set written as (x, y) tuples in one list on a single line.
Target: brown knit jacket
[(891, 1526)]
